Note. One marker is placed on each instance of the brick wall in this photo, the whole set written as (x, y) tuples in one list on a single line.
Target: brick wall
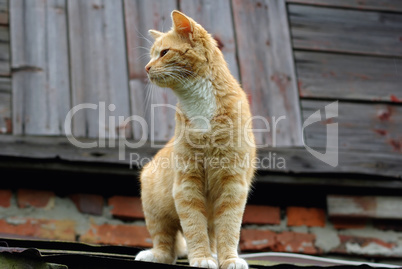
[(119, 220)]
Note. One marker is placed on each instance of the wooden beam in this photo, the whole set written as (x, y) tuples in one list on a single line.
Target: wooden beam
[(377, 207), (281, 160)]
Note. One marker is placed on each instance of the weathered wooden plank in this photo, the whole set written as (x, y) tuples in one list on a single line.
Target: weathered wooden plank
[(98, 68), (281, 160), (58, 74), (40, 66), (216, 18), (50, 162), (4, 12), (361, 126), (340, 30), (353, 77), (5, 105), (4, 50), (267, 70), (148, 101), (377, 207), (379, 5)]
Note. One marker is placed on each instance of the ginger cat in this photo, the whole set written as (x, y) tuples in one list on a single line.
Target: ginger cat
[(198, 184)]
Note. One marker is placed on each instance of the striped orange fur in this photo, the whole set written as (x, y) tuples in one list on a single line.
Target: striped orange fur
[(201, 191)]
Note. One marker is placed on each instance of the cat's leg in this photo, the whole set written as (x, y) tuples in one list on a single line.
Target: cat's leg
[(191, 207), (211, 229), (229, 208), (161, 218), (164, 236)]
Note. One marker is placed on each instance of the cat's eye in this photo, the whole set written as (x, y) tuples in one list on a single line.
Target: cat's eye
[(163, 52)]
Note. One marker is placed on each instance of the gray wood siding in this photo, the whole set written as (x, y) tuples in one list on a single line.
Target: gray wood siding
[(5, 105), (377, 5), (267, 69), (94, 52), (5, 81), (154, 104), (362, 126), (98, 67), (216, 17), (41, 96), (292, 58), (350, 51), (342, 30), (349, 77)]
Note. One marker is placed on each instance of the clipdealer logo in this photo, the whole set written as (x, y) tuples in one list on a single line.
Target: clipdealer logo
[(330, 157)]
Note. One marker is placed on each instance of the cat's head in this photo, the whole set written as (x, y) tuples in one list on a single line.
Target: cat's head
[(180, 55)]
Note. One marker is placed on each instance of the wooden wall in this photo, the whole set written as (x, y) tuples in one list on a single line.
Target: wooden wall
[(292, 57), (67, 53)]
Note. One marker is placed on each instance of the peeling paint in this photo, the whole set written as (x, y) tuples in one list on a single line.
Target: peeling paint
[(396, 145), (395, 99), (381, 132), (384, 114), (259, 242), (281, 81), (326, 238)]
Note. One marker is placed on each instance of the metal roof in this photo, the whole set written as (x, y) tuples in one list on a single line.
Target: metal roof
[(39, 254)]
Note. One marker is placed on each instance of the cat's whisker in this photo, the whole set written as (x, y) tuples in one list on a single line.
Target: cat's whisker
[(148, 98), (142, 57), (143, 37), (142, 47), (177, 77)]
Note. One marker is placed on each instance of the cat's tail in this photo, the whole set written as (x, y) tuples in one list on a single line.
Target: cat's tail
[(181, 246)]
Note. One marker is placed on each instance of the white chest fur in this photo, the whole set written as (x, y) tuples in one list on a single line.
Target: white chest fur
[(198, 102)]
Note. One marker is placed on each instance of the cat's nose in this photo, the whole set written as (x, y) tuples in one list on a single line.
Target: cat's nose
[(147, 68)]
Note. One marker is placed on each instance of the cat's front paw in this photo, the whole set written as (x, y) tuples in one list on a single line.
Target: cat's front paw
[(204, 263), (146, 256), (236, 263)]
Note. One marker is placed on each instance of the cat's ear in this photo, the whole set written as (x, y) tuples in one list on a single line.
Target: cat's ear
[(155, 34), (182, 24)]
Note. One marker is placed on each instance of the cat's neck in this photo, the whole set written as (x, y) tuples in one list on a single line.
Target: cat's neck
[(198, 101)]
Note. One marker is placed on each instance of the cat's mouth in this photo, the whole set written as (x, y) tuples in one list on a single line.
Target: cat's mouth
[(160, 79)]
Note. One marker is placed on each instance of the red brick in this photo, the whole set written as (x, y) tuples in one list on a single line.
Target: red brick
[(5, 198), (257, 214), (296, 242), (35, 198), (252, 240), (88, 203), (348, 223), (127, 235), (126, 207), (39, 228), (311, 217), (367, 246)]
